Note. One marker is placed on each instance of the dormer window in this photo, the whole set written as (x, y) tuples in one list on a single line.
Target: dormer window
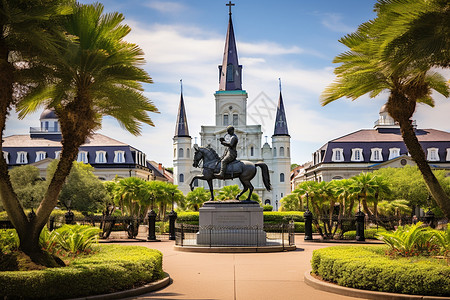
[(83, 157), (230, 73), (40, 155), (394, 152), (6, 156), (22, 157), (57, 154), (357, 154), (432, 154), (338, 154), (448, 155), (376, 154), (100, 157), (119, 156)]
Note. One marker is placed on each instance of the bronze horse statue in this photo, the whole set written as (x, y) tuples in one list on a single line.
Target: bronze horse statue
[(244, 170)]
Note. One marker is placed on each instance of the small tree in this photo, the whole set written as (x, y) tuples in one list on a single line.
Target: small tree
[(28, 185), (196, 198)]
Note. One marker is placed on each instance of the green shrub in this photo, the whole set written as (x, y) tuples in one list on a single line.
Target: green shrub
[(368, 234), (410, 240), (112, 268), (9, 240), (367, 267), (283, 216), (267, 207), (163, 227), (186, 217)]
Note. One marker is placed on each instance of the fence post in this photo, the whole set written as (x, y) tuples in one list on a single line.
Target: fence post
[(308, 224), (182, 235), (172, 218), (151, 226), (429, 218), (69, 216), (282, 234), (360, 216)]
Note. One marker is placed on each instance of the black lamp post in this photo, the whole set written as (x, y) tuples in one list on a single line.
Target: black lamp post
[(360, 216), (308, 220), (172, 219), (69, 216), (151, 223)]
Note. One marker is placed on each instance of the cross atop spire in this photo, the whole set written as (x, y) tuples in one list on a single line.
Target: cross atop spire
[(229, 4)]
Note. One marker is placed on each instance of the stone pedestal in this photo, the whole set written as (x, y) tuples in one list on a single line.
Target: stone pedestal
[(231, 223)]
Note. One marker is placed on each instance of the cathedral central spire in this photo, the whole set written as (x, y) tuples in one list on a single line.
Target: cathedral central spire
[(230, 71), (280, 121), (181, 128)]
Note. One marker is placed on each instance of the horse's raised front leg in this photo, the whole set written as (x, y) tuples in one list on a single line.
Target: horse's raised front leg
[(211, 189), (201, 177)]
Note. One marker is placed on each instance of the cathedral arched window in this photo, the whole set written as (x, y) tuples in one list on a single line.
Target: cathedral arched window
[(252, 151), (230, 73), (274, 152), (235, 119), (196, 182), (281, 151), (188, 153), (181, 178), (288, 152), (225, 120), (180, 152), (281, 177), (174, 152)]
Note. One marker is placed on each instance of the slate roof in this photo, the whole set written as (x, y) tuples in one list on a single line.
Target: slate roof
[(96, 139), (182, 128), (230, 57), (392, 135), (280, 121)]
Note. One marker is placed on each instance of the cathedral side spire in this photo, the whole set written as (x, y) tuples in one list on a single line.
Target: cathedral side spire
[(230, 72), (181, 128), (281, 127)]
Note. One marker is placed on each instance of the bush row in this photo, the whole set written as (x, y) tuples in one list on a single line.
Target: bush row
[(273, 217), (112, 269), (368, 234), (368, 268)]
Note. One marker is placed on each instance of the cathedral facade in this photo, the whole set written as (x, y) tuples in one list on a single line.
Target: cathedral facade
[(231, 109)]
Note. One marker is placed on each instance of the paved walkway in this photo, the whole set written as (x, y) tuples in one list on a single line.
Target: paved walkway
[(245, 276)]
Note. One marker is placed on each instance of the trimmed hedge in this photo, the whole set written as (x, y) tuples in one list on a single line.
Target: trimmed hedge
[(283, 216), (271, 217), (368, 268), (113, 268), (368, 234)]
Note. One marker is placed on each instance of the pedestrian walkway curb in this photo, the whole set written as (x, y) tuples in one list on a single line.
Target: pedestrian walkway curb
[(153, 286), (346, 291)]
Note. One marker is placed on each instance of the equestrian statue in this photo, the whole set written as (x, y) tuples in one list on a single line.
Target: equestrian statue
[(227, 166)]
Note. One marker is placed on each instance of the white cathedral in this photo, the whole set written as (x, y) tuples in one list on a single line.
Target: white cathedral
[(231, 109)]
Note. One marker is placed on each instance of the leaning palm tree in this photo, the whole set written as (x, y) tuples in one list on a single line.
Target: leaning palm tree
[(95, 74), (30, 37), (365, 69)]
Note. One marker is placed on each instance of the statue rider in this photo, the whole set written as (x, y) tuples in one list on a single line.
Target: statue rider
[(230, 153)]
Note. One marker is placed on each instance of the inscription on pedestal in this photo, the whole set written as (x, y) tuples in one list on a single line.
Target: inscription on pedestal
[(235, 219)]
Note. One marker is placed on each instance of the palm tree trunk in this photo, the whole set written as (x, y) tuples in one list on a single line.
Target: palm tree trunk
[(417, 153), (366, 207)]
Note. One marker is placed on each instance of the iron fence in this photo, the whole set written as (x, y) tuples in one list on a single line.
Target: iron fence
[(234, 236)]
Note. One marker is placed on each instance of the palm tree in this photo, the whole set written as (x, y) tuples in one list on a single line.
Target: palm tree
[(196, 198), (229, 192), (291, 202), (131, 195), (345, 196), (366, 69), (30, 36), (382, 188), (364, 185), (93, 73)]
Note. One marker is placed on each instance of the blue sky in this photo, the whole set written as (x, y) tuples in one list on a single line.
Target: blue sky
[(292, 40)]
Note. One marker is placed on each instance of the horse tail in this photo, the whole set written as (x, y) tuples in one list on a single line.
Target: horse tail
[(265, 175)]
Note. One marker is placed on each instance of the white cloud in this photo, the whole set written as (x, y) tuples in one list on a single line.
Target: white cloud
[(335, 22), (166, 6)]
